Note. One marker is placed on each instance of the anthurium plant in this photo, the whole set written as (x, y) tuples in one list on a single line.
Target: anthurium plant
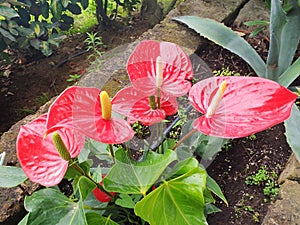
[(281, 65), (84, 140)]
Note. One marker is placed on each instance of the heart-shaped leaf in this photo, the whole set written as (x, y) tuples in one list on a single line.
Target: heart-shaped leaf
[(132, 177), (177, 201), (52, 202)]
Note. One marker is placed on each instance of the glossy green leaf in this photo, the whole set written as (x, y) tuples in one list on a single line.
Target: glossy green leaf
[(132, 177), (74, 8), (8, 12), (125, 201), (177, 201), (210, 208), (84, 3), (292, 131), (45, 9), (11, 176), (215, 188), (24, 220), (56, 9), (96, 219), (225, 37), (6, 34), (85, 186), (46, 202), (182, 167), (204, 145)]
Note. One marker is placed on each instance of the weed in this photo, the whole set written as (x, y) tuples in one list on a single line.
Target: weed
[(240, 208), (252, 137), (42, 99), (94, 42), (73, 78), (267, 180), (225, 72)]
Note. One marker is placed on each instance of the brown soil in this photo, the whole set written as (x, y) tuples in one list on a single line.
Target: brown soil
[(31, 78)]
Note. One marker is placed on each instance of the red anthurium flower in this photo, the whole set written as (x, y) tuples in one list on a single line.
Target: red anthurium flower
[(236, 107), (81, 107), (101, 196), (39, 157), (160, 65), (136, 107)]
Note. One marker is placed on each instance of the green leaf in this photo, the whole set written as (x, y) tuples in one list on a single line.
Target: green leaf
[(132, 177), (7, 35), (177, 201), (125, 201), (97, 174), (205, 146), (257, 22), (24, 220), (215, 188), (182, 167), (45, 9), (8, 12), (50, 202), (210, 208), (96, 219), (11, 176), (225, 37), (84, 4), (65, 3), (56, 9), (289, 38), (292, 131), (85, 187), (277, 22), (74, 8), (290, 74)]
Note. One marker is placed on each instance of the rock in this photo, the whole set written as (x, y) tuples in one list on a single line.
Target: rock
[(11, 199), (286, 210), (258, 12), (291, 171)]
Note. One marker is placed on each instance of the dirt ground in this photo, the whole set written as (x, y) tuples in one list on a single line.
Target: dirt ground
[(33, 79)]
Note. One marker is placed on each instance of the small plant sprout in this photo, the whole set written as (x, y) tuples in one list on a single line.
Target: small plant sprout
[(73, 78), (225, 72), (94, 43)]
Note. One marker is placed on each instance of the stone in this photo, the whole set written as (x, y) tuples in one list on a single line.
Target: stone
[(291, 171), (258, 12), (11, 199), (286, 210)]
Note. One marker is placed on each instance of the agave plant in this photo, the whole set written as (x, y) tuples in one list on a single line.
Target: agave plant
[(280, 65)]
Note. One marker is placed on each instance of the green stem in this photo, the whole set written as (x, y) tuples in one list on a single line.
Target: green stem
[(184, 138), (111, 149), (81, 171)]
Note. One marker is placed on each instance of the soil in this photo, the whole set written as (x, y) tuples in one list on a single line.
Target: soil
[(33, 79)]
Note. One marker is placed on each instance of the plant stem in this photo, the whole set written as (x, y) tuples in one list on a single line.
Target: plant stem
[(81, 171), (184, 138), (112, 152)]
